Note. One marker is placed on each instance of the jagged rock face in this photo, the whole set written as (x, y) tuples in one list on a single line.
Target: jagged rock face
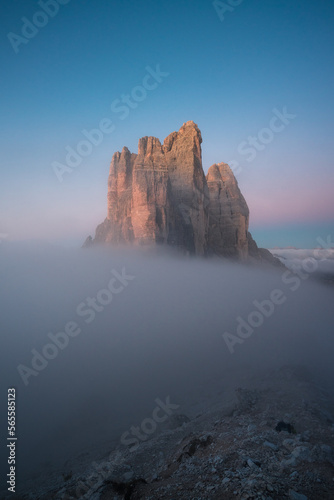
[(120, 197), (149, 203), (183, 156), (228, 213), (161, 196), (137, 197)]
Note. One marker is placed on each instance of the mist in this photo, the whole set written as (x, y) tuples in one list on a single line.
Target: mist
[(135, 326)]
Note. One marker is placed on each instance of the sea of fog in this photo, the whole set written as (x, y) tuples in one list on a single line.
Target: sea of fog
[(315, 260), (91, 338)]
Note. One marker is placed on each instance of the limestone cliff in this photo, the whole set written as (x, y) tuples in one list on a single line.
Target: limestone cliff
[(161, 196), (228, 213)]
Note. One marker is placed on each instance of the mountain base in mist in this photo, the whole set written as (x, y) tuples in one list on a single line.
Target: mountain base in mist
[(142, 402)]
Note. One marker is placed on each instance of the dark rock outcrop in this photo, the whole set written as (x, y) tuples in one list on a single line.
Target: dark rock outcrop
[(162, 196)]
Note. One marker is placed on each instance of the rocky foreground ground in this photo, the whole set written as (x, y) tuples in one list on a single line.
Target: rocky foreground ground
[(272, 438)]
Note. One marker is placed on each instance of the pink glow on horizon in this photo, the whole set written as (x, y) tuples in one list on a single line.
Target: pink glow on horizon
[(284, 207)]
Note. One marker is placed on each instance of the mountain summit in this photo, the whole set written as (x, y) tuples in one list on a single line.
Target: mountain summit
[(162, 196)]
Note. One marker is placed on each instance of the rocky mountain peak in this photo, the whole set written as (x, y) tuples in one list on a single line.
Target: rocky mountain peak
[(162, 196), (149, 146)]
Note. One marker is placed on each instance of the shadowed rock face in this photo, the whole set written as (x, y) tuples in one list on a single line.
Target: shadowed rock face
[(161, 196), (228, 213)]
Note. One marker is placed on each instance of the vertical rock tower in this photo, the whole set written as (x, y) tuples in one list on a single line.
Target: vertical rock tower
[(162, 196)]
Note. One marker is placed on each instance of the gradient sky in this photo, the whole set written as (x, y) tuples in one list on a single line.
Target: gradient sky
[(226, 75)]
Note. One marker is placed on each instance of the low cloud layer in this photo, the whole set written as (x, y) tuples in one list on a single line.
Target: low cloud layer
[(294, 258), (91, 339)]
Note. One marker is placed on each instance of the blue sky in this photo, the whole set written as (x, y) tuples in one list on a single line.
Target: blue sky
[(227, 75)]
